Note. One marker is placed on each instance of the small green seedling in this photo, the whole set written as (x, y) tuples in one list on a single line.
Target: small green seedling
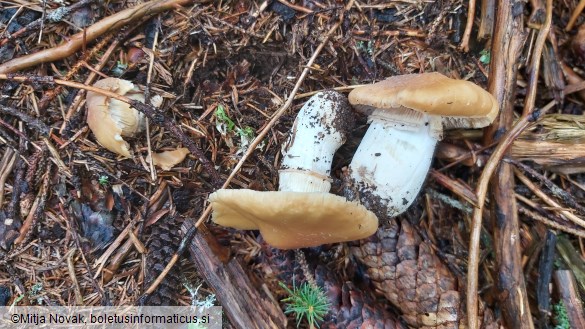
[(307, 301), (484, 56), (224, 123), (246, 133), (367, 48), (119, 69), (103, 180)]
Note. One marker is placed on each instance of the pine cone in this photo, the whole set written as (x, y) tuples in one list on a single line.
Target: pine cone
[(164, 241), (405, 270)]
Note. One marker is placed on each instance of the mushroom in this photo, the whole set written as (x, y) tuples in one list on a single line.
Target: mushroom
[(302, 213), (111, 119), (407, 115), (168, 159)]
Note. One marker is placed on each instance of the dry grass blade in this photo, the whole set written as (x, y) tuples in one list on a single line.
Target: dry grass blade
[(6, 165)]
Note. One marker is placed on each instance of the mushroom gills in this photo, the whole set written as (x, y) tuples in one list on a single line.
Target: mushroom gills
[(391, 163)]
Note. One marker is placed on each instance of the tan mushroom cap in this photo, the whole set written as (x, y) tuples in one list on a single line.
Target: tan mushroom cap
[(168, 159), (460, 103), (290, 220), (110, 119)]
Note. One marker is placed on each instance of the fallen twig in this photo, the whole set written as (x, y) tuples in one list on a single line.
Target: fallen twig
[(76, 41), (468, 27), (575, 15)]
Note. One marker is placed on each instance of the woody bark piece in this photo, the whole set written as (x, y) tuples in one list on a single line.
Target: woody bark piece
[(508, 41), (545, 269), (569, 294), (245, 305), (486, 25), (552, 71), (557, 143)]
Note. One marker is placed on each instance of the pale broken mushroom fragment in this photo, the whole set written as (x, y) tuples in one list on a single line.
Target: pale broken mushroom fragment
[(168, 159), (110, 119), (303, 213), (407, 115)]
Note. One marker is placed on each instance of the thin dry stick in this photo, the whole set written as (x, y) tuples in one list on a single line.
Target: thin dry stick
[(567, 215), (8, 161), (104, 58), (148, 101), (467, 34), (575, 15), (73, 277), (481, 191), (547, 221), (76, 41), (251, 149), (342, 89), (535, 64), (525, 120)]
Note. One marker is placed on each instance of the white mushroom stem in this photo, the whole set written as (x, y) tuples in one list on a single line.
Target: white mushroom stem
[(392, 161), (318, 131)]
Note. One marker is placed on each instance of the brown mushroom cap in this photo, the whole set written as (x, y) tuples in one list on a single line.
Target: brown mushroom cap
[(461, 104), (290, 220)]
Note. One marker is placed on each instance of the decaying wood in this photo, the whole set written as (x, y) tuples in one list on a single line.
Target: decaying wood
[(545, 269), (573, 259), (569, 295), (508, 41), (557, 143), (572, 77), (244, 304), (552, 71), (458, 188)]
